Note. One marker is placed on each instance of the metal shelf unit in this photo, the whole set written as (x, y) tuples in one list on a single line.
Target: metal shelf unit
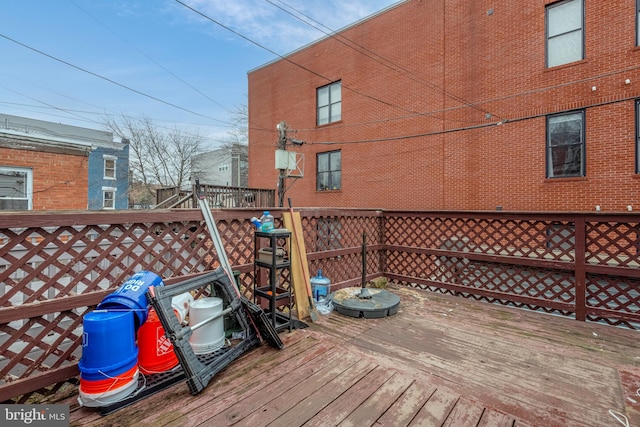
[(277, 289)]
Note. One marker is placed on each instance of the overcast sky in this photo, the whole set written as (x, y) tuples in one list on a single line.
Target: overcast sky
[(77, 61)]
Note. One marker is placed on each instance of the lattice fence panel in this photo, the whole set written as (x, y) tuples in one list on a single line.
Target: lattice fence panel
[(95, 258), (40, 264), (502, 236), (620, 294), (326, 233), (613, 243), (499, 258), (237, 234), (346, 267), (41, 343), (421, 266)]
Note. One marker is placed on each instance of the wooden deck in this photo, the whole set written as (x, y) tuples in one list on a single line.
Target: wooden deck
[(441, 361)]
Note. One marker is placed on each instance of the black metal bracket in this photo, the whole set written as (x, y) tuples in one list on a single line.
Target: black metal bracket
[(197, 372)]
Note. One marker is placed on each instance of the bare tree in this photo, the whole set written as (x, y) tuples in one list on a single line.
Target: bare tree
[(228, 162), (239, 134), (158, 157)]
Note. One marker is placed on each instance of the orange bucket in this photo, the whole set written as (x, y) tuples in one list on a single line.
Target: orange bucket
[(156, 353), (108, 384)]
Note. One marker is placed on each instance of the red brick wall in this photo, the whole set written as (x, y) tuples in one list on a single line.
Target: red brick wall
[(437, 69), (59, 180)]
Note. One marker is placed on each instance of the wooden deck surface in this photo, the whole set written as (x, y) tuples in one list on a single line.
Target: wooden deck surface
[(440, 361)]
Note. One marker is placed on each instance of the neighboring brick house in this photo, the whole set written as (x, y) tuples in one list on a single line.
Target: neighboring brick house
[(461, 105), (50, 166)]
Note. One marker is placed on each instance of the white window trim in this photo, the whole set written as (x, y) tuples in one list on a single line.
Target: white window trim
[(29, 173), (104, 167), (112, 190)]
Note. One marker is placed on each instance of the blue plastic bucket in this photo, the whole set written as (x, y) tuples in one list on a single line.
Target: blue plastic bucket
[(132, 295), (108, 344)]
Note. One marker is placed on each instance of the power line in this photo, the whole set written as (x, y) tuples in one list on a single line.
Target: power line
[(148, 57), (80, 118), (155, 62), (110, 80), (461, 129), (381, 60), (284, 58), (47, 104)]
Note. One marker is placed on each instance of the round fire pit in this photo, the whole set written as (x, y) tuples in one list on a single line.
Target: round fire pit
[(377, 303)]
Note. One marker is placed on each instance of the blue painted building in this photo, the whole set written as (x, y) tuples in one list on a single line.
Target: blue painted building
[(108, 179)]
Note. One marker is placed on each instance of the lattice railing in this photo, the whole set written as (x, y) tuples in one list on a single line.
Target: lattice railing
[(581, 265), (55, 267)]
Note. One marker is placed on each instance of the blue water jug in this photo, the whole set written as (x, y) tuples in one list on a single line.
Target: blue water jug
[(320, 286)]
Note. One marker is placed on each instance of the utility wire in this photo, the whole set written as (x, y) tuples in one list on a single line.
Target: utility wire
[(48, 105), (284, 58), (80, 118), (110, 80), (148, 57), (460, 129), (103, 113), (154, 61), (339, 37)]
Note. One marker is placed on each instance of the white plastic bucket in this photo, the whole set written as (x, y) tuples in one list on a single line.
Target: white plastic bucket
[(210, 336), (180, 304)]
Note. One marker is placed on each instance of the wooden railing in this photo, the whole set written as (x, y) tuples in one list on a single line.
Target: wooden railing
[(56, 266), (219, 197)]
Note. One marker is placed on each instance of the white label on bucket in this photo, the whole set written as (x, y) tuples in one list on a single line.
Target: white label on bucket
[(132, 285), (163, 345), (85, 339)]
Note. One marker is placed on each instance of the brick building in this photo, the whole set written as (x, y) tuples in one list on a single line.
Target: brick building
[(51, 166), (460, 105)]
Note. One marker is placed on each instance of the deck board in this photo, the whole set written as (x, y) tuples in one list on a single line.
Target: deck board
[(334, 413), (436, 410), (441, 360), (403, 410), (464, 414), (371, 409), (301, 411)]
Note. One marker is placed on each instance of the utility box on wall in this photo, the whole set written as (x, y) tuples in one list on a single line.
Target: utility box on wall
[(290, 161)]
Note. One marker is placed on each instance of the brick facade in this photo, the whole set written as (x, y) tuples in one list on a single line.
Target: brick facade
[(424, 86), (59, 178)]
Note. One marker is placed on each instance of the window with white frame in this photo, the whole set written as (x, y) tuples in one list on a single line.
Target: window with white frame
[(566, 145), (109, 167), (16, 188), (565, 32), (329, 103), (108, 198), (329, 173)]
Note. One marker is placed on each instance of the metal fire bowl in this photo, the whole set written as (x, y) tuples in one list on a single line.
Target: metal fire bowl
[(382, 303)]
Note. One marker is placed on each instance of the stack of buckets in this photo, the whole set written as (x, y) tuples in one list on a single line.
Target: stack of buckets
[(111, 360)]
